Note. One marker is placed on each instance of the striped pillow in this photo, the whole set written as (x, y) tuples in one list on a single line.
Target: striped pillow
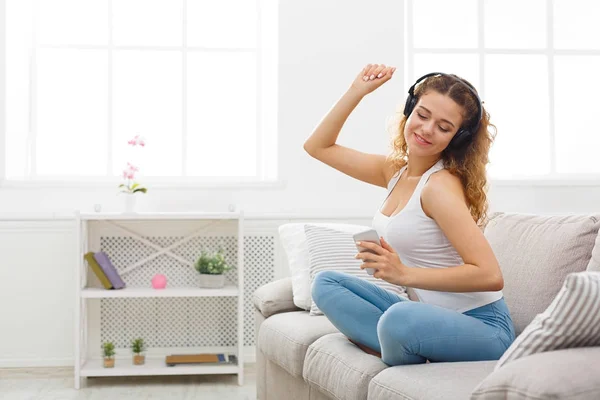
[(330, 249), (571, 320)]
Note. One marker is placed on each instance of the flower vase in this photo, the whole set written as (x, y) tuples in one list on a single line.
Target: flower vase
[(130, 202), (212, 281)]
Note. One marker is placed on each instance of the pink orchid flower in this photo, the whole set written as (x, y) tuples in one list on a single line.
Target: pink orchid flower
[(129, 172), (132, 167), (137, 141)]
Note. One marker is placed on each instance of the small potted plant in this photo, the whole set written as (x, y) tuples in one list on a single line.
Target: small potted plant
[(211, 268), (108, 352), (138, 347)]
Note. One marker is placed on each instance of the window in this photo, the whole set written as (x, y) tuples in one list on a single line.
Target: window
[(535, 66), (195, 78)]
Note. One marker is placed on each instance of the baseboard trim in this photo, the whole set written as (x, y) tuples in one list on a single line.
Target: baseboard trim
[(35, 362), (249, 358)]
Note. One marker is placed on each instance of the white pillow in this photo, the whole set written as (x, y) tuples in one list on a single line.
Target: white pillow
[(333, 250), (293, 240), (571, 320)]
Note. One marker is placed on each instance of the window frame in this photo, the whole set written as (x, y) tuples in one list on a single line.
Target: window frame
[(268, 175)]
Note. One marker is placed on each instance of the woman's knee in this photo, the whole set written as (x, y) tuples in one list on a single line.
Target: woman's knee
[(400, 321), (398, 333), (323, 281)]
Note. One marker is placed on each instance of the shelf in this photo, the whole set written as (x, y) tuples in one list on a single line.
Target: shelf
[(160, 215), (91, 227), (98, 293), (153, 366)]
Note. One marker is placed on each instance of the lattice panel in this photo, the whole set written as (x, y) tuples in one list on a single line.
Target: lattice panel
[(259, 269), (183, 322)]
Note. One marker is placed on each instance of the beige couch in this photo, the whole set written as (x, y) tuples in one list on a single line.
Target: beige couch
[(304, 357)]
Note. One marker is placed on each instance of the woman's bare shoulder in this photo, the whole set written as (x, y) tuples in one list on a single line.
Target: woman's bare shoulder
[(444, 180), (440, 185)]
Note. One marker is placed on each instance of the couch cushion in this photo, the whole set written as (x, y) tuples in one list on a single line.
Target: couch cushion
[(274, 297), (571, 320), (284, 338), (334, 250), (594, 264), (449, 380), (563, 374), (536, 253), (293, 241), (339, 368)]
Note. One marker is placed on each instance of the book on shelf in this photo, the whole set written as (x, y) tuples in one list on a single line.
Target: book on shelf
[(89, 257), (191, 359), (109, 270)]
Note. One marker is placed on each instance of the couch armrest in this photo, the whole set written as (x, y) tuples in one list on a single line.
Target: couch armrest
[(275, 297), (569, 373)]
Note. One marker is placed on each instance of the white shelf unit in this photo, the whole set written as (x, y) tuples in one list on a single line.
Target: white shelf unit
[(86, 365)]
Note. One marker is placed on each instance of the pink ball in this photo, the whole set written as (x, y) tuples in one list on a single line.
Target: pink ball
[(159, 281)]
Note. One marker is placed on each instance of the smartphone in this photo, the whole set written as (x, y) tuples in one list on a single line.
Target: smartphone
[(370, 235)]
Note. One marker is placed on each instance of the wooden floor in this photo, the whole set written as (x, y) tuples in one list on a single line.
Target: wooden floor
[(57, 384)]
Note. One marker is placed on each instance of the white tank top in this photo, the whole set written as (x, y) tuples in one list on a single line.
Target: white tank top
[(420, 242)]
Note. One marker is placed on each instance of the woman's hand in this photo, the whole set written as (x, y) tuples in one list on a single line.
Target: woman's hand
[(371, 77), (386, 262)]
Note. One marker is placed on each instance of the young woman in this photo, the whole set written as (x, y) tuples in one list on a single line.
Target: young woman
[(430, 226)]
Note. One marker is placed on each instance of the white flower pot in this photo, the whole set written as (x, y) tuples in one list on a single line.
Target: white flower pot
[(212, 281), (130, 201)]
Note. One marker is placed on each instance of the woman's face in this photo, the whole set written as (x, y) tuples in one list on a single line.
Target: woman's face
[(432, 124)]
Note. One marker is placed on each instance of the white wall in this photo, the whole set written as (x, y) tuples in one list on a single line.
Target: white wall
[(37, 300)]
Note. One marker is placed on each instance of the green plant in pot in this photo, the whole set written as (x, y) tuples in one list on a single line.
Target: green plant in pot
[(108, 353), (211, 268), (138, 347)]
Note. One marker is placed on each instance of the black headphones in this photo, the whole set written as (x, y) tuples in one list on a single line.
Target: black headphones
[(464, 134)]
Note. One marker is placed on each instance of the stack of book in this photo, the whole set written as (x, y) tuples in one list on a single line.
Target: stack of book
[(104, 270)]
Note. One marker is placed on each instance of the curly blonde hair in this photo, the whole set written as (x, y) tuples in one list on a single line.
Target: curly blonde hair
[(468, 163)]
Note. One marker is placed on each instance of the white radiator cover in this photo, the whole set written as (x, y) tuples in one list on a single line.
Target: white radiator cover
[(183, 322)]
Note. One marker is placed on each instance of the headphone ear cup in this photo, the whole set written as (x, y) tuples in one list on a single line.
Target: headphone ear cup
[(460, 139), (409, 105)]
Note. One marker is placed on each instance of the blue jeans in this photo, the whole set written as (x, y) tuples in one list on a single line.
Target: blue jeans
[(409, 332)]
